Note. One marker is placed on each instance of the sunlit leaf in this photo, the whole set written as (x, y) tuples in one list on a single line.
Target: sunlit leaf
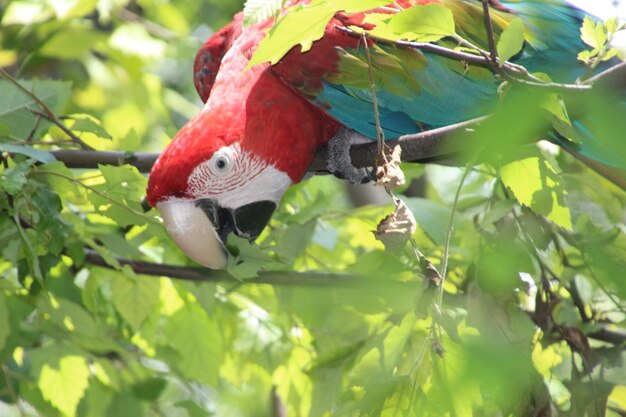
[(302, 26), (256, 11), (511, 40), (135, 297), (198, 343), (593, 33), (25, 13), (427, 23), (62, 376), (72, 43), (535, 184), (69, 8)]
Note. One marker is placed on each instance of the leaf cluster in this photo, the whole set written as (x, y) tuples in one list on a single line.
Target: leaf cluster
[(531, 317)]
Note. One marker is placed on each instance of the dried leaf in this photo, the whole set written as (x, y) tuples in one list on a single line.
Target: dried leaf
[(397, 228), (388, 173)]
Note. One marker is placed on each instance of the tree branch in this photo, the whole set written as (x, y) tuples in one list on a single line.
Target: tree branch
[(433, 145), (283, 278), (612, 79), (425, 146), (89, 159), (297, 279)]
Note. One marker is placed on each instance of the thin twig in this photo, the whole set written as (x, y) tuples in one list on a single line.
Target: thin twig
[(100, 193), (380, 138), (438, 302), (515, 71), (47, 112), (62, 126), (455, 204), (490, 37)]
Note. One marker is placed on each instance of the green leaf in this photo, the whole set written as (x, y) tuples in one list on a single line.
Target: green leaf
[(37, 154), (432, 217), (498, 210), (62, 376), (89, 124), (326, 390), (593, 33), (120, 197), (511, 40), (423, 23), (256, 11), (15, 104), (5, 327), (149, 389), (97, 401), (197, 341), (535, 184), (249, 260), (68, 316), (133, 39), (25, 13), (4, 131), (66, 9), (135, 297), (14, 178), (303, 25), (586, 56), (72, 43), (125, 181)]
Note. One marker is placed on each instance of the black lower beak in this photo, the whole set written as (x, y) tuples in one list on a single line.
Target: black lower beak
[(246, 221)]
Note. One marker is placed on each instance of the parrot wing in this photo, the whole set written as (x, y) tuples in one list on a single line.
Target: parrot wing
[(209, 57), (418, 90)]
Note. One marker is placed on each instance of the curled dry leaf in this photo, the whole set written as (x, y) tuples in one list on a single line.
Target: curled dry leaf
[(397, 228), (388, 172), (430, 272)]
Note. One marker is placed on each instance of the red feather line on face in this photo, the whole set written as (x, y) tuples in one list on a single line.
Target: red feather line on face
[(207, 181)]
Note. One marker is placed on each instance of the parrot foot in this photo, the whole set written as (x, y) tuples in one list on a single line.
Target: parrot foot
[(339, 161)]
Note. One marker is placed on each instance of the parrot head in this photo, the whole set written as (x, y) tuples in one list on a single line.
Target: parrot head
[(208, 184), (229, 166)]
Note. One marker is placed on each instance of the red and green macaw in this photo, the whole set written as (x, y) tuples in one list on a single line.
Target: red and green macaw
[(228, 167)]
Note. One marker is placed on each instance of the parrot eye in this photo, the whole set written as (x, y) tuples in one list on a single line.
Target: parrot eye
[(221, 163)]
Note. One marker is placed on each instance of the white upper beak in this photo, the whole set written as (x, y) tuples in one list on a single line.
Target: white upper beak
[(194, 233)]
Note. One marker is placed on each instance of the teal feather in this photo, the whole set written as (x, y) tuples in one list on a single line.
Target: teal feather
[(422, 91)]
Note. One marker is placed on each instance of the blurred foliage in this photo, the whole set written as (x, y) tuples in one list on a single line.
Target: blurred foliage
[(532, 320)]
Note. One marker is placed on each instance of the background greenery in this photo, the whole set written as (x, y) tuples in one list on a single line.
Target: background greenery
[(532, 320)]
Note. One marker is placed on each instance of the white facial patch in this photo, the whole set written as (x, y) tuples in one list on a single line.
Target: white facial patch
[(234, 178)]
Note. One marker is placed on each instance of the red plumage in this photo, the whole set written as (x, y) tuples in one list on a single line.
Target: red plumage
[(252, 107), (259, 107)]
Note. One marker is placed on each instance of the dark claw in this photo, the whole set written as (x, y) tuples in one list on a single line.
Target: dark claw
[(340, 164)]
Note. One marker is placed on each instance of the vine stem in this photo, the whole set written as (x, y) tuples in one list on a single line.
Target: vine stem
[(380, 137), (448, 238), (29, 247)]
